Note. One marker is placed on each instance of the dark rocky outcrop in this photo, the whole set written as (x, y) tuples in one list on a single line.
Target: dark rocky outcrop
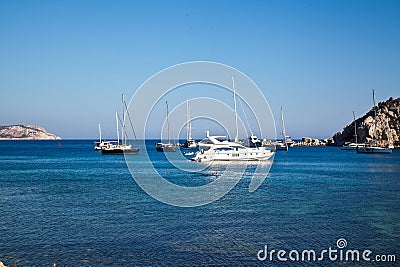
[(25, 132), (387, 124)]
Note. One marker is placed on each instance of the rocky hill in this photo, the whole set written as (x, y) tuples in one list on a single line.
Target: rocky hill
[(387, 124), (25, 132)]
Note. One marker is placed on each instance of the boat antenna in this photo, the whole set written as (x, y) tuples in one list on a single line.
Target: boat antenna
[(123, 121), (355, 127), (116, 120), (166, 103), (130, 121), (236, 116)]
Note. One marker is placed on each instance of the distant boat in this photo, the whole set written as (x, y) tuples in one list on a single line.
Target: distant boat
[(101, 143), (215, 148), (190, 142), (166, 147), (117, 147), (191, 153), (350, 145), (373, 146), (282, 145)]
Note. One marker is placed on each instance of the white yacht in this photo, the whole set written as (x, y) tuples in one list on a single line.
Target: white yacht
[(216, 148)]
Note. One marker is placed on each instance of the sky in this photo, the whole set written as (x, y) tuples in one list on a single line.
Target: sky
[(64, 64)]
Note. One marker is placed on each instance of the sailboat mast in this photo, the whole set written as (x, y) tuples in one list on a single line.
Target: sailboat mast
[(123, 121), (355, 127), (116, 120), (236, 116), (166, 103), (99, 133), (375, 128), (388, 131), (283, 127), (188, 120)]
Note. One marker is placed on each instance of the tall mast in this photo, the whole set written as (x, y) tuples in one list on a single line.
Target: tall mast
[(166, 103), (388, 131), (123, 121), (283, 127), (189, 124), (355, 127), (116, 120), (375, 128), (236, 116), (99, 133)]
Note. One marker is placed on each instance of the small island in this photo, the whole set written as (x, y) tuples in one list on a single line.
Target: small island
[(26, 132)]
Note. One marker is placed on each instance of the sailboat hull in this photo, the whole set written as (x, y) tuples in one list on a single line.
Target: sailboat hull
[(369, 149), (120, 151), (160, 147)]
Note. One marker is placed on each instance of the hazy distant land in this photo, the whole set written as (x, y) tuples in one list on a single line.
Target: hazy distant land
[(25, 132)]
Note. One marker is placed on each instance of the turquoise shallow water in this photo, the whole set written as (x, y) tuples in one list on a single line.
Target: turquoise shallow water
[(73, 206)]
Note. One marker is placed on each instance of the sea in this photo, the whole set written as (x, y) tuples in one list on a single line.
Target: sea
[(63, 203)]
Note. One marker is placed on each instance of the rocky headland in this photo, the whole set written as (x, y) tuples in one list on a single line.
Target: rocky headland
[(25, 132), (387, 125)]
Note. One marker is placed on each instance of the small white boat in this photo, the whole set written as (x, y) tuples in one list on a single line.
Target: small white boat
[(191, 153), (352, 146)]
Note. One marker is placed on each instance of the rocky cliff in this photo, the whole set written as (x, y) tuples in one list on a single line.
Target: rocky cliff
[(387, 124), (25, 132)]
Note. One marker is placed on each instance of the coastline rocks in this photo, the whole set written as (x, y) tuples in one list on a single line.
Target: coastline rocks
[(307, 141), (25, 132), (387, 124)]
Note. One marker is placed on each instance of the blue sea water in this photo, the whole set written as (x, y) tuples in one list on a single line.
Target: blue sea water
[(72, 205)]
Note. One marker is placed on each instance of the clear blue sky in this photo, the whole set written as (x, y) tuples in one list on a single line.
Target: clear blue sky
[(63, 64)]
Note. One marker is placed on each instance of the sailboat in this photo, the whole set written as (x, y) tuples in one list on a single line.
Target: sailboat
[(166, 147), (282, 145), (98, 145), (373, 146), (101, 143), (117, 147), (351, 145), (215, 148), (190, 142)]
